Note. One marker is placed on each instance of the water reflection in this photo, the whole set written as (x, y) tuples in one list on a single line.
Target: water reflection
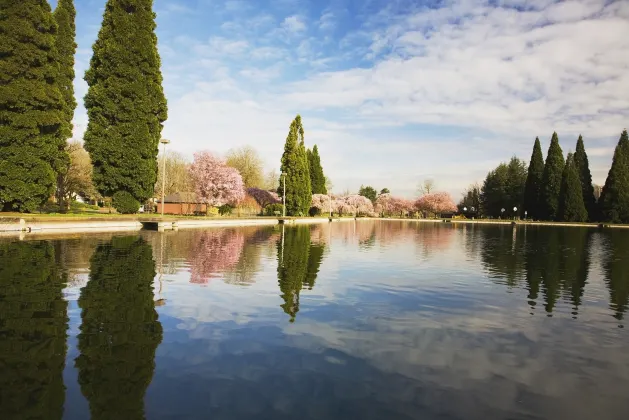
[(616, 268), (119, 330), (298, 262), (33, 325)]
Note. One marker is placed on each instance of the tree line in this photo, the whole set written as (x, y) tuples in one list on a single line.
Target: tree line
[(556, 189)]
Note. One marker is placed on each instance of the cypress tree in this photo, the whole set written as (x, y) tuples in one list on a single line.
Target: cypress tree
[(65, 15), (533, 188), (125, 101), (317, 179), (585, 176), (614, 201), (551, 180), (571, 206), (296, 172), (31, 106)]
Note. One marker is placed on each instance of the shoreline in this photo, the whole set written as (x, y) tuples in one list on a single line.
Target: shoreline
[(11, 226)]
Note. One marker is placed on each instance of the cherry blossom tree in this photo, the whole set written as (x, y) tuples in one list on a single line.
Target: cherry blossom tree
[(216, 183), (322, 203), (358, 204), (436, 203), (387, 205)]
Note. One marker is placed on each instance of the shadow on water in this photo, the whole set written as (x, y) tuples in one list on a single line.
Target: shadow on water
[(298, 262), (120, 330), (33, 331)]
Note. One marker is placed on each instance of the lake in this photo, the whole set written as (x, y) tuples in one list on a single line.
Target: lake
[(351, 320)]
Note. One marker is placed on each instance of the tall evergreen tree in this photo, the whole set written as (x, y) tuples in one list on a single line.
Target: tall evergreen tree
[(585, 176), (551, 180), (296, 172), (317, 179), (571, 205), (614, 201), (125, 101), (31, 106), (533, 188)]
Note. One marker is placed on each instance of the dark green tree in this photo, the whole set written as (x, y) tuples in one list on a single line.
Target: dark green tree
[(504, 188), (125, 101), (614, 201), (296, 172), (615, 257), (385, 191), (571, 206), (585, 176), (31, 105), (551, 180), (533, 189), (120, 330), (471, 200), (369, 192), (33, 331), (317, 178)]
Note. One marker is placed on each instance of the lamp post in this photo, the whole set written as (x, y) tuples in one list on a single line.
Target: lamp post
[(164, 142), (283, 175), (515, 213), (525, 214), (330, 198)]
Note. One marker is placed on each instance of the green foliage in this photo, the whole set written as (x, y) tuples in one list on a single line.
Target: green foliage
[(385, 191), (614, 201), (31, 105), (296, 169), (504, 188), (65, 15), (317, 178), (585, 177), (272, 209), (225, 210), (298, 263), (33, 331), (471, 200), (125, 101), (551, 180), (369, 192), (571, 206), (124, 203), (120, 330), (533, 189)]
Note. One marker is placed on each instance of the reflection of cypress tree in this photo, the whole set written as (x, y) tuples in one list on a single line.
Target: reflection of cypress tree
[(550, 268), (502, 254), (616, 272), (298, 265), (575, 264), (33, 324), (532, 258), (120, 330)]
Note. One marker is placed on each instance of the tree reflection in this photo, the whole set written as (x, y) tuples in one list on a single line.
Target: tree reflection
[(33, 325), (214, 252), (120, 330), (298, 265), (616, 270), (249, 263)]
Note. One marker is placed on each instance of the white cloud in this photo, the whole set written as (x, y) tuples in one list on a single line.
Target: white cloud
[(294, 24), (327, 21)]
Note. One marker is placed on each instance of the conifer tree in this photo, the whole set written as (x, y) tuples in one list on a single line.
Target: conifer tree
[(585, 176), (551, 180), (65, 15), (571, 206), (31, 106), (125, 101), (614, 201), (533, 188), (296, 172), (317, 179)]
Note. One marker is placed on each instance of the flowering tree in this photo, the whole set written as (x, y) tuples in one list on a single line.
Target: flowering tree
[(264, 197), (216, 183), (387, 205), (322, 203), (436, 203), (358, 204), (214, 252)]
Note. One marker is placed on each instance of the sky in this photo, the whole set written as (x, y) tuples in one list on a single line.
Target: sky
[(392, 91)]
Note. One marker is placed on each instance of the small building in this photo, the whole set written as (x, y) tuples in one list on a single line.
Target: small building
[(182, 203)]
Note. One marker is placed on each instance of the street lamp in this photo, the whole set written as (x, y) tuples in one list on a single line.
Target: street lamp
[(330, 198), (515, 213), (164, 142), (283, 175), (525, 214)]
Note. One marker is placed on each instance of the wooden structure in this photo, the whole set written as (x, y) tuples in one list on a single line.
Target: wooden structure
[(185, 203)]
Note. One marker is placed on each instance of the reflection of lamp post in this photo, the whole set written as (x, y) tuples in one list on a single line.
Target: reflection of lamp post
[(164, 142), (283, 175), (502, 212)]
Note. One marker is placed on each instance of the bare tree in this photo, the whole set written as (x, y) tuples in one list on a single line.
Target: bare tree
[(597, 191), (248, 162), (77, 180), (177, 174), (426, 187), (271, 180), (328, 185)]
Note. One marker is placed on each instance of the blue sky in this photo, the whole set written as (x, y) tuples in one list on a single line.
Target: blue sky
[(393, 92)]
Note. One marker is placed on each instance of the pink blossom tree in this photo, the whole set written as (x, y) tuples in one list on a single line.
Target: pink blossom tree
[(216, 183), (322, 203), (358, 204), (436, 203)]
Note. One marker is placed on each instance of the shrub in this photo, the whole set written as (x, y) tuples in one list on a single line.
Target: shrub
[(124, 203), (314, 211), (225, 209), (272, 208), (212, 211)]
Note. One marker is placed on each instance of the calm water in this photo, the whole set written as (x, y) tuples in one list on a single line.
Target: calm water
[(355, 320)]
